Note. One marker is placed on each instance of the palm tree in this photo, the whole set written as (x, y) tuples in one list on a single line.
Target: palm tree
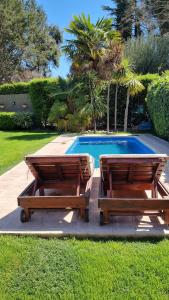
[(88, 47), (134, 86), (117, 80)]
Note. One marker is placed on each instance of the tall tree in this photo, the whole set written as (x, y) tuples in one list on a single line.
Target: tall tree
[(126, 15), (119, 12), (160, 11), (27, 43)]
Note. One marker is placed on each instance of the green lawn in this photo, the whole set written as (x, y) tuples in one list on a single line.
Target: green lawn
[(15, 145), (34, 268)]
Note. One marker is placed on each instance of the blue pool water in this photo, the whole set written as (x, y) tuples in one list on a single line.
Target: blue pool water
[(97, 146)]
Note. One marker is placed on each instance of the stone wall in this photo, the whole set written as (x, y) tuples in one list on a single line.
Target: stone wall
[(15, 103)]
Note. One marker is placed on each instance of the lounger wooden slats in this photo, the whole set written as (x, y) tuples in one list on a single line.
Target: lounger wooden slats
[(68, 176), (129, 173)]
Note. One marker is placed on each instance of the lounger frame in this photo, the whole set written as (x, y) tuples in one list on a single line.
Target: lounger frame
[(158, 204), (72, 178)]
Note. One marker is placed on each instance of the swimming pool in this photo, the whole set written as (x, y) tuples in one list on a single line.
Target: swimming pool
[(100, 145)]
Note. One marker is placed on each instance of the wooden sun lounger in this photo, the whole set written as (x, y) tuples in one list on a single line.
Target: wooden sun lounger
[(124, 180), (60, 182)]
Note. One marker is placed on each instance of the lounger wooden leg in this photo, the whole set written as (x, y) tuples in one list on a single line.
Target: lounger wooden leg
[(41, 191), (82, 213), (25, 215), (106, 216), (166, 216)]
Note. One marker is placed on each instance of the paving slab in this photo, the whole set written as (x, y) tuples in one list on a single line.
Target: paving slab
[(67, 222)]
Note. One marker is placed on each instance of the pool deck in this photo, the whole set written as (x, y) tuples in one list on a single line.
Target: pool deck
[(67, 222)]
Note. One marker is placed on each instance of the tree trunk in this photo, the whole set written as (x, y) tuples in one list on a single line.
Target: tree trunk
[(126, 111), (115, 108), (94, 124), (108, 109)]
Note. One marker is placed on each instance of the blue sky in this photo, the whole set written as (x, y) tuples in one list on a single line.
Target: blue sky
[(61, 12)]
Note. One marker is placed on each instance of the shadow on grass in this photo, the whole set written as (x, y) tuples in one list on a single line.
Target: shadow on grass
[(31, 137)]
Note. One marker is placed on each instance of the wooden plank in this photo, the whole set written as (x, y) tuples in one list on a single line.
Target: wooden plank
[(42, 166), (53, 202), (132, 186), (133, 204)]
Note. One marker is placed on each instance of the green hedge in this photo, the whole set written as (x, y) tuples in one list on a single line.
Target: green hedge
[(158, 106), (12, 120), (41, 99), (14, 88)]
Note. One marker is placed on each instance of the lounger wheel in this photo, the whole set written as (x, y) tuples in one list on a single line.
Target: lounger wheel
[(23, 217), (101, 218), (86, 215)]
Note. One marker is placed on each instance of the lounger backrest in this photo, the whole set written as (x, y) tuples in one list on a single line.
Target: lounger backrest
[(60, 167), (129, 169)]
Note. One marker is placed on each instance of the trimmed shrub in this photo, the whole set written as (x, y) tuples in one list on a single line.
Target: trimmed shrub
[(12, 120), (41, 99), (14, 88), (7, 121), (158, 106)]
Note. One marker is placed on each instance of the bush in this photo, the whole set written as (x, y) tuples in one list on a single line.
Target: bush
[(7, 120), (148, 53), (12, 120), (158, 106), (14, 88), (79, 122), (23, 120), (41, 99)]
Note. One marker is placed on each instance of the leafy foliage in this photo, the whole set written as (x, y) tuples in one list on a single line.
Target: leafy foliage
[(27, 42), (134, 87), (12, 120), (23, 120), (158, 106), (119, 13), (94, 52), (7, 120), (69, 109), (14, 88), (148, 54), (133, 18), (41, 100)]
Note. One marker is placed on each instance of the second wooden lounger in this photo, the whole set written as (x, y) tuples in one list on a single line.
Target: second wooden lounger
[(124, 180), (67, 176)]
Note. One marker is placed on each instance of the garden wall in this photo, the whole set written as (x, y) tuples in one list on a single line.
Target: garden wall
[(15, 103)]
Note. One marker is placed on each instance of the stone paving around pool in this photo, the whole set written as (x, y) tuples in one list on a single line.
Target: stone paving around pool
[(67, 222)]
